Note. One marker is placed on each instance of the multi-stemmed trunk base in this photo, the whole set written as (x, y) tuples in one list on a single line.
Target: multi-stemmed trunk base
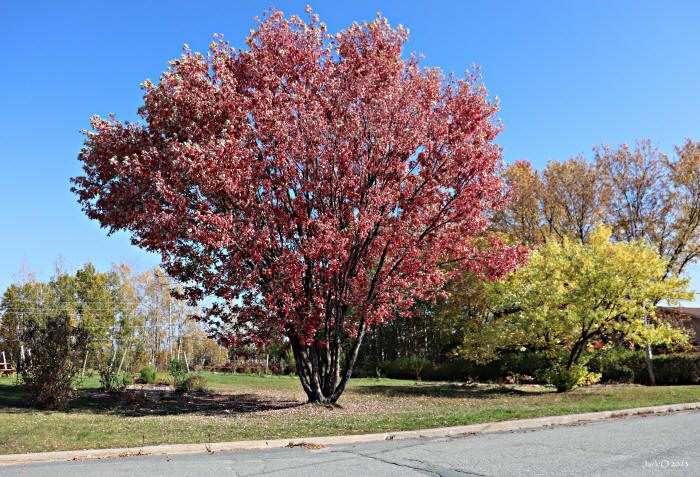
[(319, 369)]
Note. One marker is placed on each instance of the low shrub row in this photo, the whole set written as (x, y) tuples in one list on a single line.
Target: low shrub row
[(630, 366), (516, 366), (615, 366), (252, 368), (677, 368)]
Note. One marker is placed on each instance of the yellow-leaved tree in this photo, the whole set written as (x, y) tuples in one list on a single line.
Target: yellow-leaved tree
[(572, 295)]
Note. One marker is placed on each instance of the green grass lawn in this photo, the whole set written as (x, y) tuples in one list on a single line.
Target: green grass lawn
[(255, 407)]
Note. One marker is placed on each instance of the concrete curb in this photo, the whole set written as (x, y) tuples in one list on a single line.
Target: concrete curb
[(488, 427)]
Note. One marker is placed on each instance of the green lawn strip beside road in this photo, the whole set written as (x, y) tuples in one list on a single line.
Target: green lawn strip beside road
[(255, 407)]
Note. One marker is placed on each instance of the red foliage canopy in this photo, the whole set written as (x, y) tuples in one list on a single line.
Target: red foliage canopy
[(315, 184)]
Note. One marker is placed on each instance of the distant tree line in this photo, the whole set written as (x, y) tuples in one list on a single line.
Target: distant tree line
[(102, 322)]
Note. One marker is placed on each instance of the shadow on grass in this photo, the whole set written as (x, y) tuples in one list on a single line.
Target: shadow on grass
[(138, 403), (157, 403), (459, 391), (11, 395)]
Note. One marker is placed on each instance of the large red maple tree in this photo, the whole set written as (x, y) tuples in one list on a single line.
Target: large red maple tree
[(313, 184)]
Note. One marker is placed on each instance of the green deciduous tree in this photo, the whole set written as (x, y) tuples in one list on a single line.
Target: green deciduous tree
[(53, 328)]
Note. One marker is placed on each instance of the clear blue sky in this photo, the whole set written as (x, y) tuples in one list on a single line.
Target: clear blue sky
[(569, 75)]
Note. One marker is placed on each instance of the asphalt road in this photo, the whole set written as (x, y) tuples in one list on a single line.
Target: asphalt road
[(634, 446)]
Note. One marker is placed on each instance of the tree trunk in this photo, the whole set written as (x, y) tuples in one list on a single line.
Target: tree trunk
[(650, 365), (650, 362), (318, 367)]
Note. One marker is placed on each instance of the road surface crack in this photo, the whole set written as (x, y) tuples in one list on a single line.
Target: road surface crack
[(417, 465)]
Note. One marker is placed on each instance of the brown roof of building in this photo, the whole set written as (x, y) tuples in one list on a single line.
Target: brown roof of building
[(694, 312)]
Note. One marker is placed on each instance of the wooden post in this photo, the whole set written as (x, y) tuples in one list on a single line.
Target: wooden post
[(648, 358), (650, 364), (121, 362), (114, 358), (82, 375)]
